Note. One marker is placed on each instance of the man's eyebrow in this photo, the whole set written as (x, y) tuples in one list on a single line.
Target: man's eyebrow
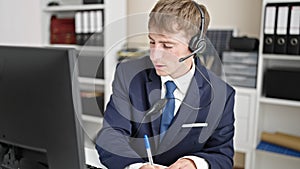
[(150, 37), (170, 42)]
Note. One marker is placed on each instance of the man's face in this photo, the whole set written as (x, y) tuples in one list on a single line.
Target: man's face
[(166, 50)]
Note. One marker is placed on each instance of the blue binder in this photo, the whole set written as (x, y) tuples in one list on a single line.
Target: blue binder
[(277, 149)]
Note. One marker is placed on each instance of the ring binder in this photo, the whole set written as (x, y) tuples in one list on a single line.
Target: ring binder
[(269, 28), (294, 30), (281, 29)]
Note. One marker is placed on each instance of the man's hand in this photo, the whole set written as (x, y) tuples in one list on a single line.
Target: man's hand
[(183, 163), (148, 166)]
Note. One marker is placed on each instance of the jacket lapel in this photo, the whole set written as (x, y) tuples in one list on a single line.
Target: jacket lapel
[(153, 87)]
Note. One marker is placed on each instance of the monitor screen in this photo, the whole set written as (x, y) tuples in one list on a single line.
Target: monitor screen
[(40, 109)]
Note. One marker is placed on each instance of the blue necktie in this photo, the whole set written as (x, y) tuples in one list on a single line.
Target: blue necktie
[(168, 112)]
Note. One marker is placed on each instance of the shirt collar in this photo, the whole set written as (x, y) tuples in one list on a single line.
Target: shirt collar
[(181, 82)]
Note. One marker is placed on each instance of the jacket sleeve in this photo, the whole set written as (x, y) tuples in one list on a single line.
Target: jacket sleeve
[(113, 140)]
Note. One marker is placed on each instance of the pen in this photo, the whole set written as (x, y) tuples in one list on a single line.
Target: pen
[(148, 149)]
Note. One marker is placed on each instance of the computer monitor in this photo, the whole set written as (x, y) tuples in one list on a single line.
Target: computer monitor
[(40, 108)]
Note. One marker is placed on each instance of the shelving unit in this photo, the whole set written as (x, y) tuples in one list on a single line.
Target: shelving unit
[(245, 103), (273, 114), (114, 33), (114, 30)]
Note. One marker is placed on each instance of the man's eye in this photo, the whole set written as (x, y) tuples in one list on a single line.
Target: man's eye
[(168, 46), (151, 42)]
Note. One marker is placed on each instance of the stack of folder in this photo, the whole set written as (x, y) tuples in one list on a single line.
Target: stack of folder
[(280, 143), (89, 28), (282, 28), (240, 68), (62, 30)]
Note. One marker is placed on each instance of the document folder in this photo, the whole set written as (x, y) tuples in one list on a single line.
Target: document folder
[(269, 28), (294, 30), (281, 29)]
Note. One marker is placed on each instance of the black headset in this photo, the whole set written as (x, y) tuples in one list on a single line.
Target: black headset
[(198, 40), (197, 43)]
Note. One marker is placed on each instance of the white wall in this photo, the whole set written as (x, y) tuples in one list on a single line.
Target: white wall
[(243, 15), (20, 22)]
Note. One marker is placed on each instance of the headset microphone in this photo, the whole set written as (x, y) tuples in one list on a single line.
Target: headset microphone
[(200, 49), (159, 105), (156, 108)]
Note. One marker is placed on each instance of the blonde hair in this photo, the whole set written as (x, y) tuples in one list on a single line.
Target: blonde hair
[(178, 15)]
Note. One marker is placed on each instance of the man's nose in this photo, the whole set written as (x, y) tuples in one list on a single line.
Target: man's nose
[(156, 53)]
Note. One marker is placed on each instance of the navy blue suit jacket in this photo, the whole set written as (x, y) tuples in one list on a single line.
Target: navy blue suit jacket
[(136, 87)]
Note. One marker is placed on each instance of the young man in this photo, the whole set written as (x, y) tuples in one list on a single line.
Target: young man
[(194, 127)]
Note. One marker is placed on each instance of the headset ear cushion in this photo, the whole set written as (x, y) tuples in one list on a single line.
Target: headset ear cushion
[(193, 43), (201, 46), (197, 44)]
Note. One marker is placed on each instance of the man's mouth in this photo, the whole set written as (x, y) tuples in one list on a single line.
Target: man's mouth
[(159, 66)]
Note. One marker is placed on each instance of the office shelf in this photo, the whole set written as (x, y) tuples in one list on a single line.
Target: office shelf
[(278, 155), (93, 81), (276, 160), (92, 119), (281, 57), (78, 47), (282, 102), (67, 8), (91, 84)]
